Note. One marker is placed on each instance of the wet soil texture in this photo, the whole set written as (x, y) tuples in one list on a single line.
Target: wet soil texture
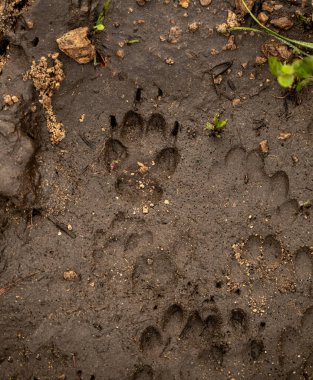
[(139, 247)]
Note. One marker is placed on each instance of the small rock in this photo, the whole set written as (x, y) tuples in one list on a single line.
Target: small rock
[(142, 168), (242, 9), (70, 227), (194, 26), (218, 79), (9, 100), (184, 3), (77, 45), (30, 24), (169, 61), (267, 7), (274, 48), (145, 210), (283, 23), (264, 148), (139, 22), (263, 17), (205, 3), (214, 51), (70, 275), (120, 53), (166, 202), (277, 7), (295, 159), (231, 45), (284, 136), (236, 102), (174, 34), (260, 60)]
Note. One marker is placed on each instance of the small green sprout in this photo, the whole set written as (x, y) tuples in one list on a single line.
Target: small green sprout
[(296, 75), (99, 25), (294, 44), (131, 42), (216, 127)]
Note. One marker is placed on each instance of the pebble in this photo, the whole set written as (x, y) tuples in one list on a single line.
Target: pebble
[(236, 102), (194, 26), (205, 3), (70, 275), (184, 3), (264, 148), (260, 60), (169, 61), (145, 210), (284, 136), (120, 53), (9, 100), (283, 23), (263, 17)]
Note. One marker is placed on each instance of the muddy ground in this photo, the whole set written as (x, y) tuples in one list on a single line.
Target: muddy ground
[(195, 263)]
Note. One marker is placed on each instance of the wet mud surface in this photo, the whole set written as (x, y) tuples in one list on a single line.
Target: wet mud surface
[(139, 247)]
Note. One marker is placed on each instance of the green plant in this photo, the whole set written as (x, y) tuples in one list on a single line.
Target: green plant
[(99, 25), (294, 44), (131, 42), (295, 75), (216, 127)]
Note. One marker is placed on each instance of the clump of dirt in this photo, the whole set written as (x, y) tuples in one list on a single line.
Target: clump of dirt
[(2, 63), (46, 80), (10, 10), (77, 45)]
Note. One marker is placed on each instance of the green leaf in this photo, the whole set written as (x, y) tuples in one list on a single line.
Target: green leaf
[(216, 118), (304, 68), (303, 83), (287, 69), (275, 66), (286, 80), (288, 41), (99, 27), (131, 42), (221, 124), (209, 126)]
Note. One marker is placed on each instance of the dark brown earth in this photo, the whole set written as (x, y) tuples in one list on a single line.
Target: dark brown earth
[(195, 263)]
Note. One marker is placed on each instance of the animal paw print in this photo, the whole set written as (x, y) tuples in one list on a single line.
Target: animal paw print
[(258, 252), (260, 266), (204, 336), (128, 240), (16, 153), (242, 175), (303, 265), (295, 345), (142, 156)]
